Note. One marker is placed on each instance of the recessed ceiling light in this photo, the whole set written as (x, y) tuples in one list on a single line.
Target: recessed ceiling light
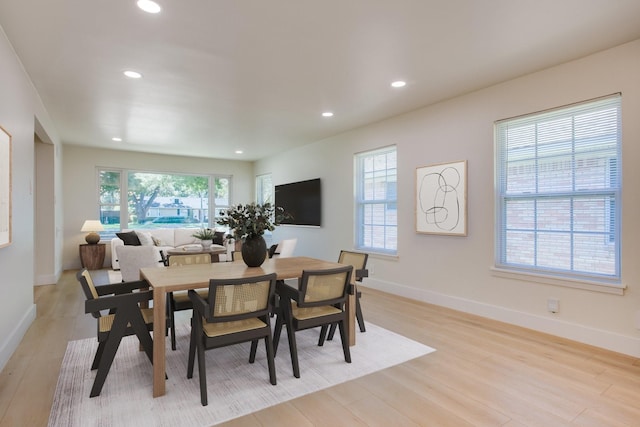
[(239, 151), (327, 114), (149, 6), (398, 83), (132, 74), (116, 139)]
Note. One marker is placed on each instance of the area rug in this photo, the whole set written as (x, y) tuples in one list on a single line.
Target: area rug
[(235, 387)]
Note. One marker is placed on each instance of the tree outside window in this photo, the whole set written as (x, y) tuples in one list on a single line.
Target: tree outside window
[(157, 200)]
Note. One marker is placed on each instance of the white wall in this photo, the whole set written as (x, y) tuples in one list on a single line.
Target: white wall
[(20, 109), (456, 271), (80, 185)]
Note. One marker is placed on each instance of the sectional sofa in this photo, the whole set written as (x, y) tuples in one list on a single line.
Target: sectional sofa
[(165, 239)]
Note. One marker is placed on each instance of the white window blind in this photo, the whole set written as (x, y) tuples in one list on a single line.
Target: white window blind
[(558, 191), (376, 201)]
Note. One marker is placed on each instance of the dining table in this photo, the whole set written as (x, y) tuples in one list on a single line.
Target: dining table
[(179, 278)]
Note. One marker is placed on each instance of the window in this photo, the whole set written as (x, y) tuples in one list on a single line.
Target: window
[(110, 189), (376, 201), (558, 191), (157, 200), (264, 189)]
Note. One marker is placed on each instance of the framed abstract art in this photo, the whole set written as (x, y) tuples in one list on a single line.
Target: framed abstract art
[(441, 199)]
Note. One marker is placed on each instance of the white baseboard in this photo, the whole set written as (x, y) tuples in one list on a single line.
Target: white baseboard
[(47, 279), (580, 333), (10, 344)]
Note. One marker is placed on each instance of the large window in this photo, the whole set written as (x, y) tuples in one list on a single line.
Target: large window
[(264, 189), (376, 201), (558, 191), (157, 200)]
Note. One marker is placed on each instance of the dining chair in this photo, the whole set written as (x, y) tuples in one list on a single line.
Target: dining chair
[(317, 301), (359, 262), (125, 318), (284, 249), (178, 301), (236, 311)]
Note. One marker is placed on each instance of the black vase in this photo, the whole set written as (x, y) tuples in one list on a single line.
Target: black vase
[(254, 251)]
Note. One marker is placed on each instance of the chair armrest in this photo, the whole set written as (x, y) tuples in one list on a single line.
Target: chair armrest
[(121, 288), (360, 274), (116, 301)]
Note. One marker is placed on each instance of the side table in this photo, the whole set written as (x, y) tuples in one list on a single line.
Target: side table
[(92, 256)]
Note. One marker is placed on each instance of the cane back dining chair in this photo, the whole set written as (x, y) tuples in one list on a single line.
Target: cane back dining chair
[(318, 300), (178, 301), (359, 262), (236, 311), (125, 318)]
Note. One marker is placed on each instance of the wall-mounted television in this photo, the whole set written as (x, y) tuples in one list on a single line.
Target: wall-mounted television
[(303, 200)]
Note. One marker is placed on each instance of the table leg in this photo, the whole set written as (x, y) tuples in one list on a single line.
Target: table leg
[(350, 308), (159, 327)]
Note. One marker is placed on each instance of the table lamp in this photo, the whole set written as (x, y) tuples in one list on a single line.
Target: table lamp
[(92, 226)]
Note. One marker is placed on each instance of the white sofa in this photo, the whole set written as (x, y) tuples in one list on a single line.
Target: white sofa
[(165, 239)]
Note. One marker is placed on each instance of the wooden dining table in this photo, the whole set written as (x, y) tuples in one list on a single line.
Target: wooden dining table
[(171, 279)]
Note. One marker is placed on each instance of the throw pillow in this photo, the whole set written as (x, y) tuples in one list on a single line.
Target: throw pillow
[(156, 241), (218, 237), (145, 238), (129, 238)]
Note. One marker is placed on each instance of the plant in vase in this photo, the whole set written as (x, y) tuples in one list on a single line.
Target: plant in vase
[(248, 223), (206, 236)]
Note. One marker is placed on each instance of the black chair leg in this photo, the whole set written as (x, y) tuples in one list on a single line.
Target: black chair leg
[(332, 331), (268, 342), (172, 320), (109, 353), (345, 342), (98, 356), (252, 353), (359, 318), (291, 335), (203, 374), (192, 350), (323, 334), (359, 315), (277, 330)]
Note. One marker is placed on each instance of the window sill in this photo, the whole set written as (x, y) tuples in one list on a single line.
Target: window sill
[(588, 285), (379, 255)]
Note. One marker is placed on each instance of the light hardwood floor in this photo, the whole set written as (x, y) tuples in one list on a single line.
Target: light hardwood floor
[(484, 373)]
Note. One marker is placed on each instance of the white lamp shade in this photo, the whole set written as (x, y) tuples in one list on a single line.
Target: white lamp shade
[(92, 225)]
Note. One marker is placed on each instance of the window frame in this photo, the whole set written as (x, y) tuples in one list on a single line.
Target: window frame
[(264, 189), (390, 201), (611, 193), (109, 233)]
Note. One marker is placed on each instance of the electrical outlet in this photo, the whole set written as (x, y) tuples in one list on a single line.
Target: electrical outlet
[(553, 305)]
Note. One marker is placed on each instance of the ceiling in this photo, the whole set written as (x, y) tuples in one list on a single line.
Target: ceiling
[(256, 75)]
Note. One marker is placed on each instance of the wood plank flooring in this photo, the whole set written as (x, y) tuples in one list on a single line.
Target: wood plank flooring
[(484, 373)]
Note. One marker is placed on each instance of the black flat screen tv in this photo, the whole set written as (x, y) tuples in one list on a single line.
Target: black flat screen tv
[(302, 200)]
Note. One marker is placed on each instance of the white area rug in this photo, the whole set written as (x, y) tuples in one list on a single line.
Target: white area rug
[(235, 387)]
